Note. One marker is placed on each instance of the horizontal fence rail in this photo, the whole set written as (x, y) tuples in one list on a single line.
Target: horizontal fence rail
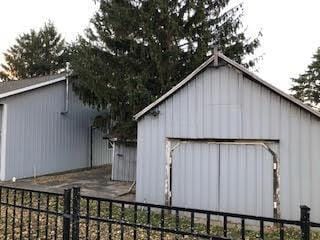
[(28, 214)]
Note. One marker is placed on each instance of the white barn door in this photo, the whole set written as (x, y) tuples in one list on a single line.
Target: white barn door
[(246, 180), (224, 177), (195, 174)]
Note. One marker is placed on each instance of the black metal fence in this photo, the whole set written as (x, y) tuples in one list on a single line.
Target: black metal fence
[(27, 214)]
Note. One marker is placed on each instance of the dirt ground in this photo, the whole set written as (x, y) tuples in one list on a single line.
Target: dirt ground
[(93, 182)]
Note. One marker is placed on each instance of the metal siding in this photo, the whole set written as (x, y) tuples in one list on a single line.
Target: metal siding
[(141, 154), (41, 140), (314, 169), (228, 105), (294, 165), (101, 154), (124, 162)]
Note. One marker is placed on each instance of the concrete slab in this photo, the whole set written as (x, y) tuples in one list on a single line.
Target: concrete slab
[(93, 182)]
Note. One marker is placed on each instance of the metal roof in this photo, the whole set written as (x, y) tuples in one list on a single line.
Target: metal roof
[(10, 88), (234, 64)]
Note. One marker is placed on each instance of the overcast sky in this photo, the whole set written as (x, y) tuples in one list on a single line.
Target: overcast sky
[(290, 28)]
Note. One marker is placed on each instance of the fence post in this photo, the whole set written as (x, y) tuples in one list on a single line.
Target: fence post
[(75, 213), (305, 222), (66, 214)]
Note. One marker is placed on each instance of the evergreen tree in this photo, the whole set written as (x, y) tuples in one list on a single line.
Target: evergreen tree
[(34, 54), (307, 86), (136, 50)]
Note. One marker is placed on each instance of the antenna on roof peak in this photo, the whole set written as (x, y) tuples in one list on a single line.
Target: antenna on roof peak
[(67, 68), (66, 105), (215, 55)]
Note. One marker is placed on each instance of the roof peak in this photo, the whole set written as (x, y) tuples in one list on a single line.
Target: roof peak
[(214, 58)]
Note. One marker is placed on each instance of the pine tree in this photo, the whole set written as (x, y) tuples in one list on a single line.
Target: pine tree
[(35, 53), (307, 86), (136, 50)]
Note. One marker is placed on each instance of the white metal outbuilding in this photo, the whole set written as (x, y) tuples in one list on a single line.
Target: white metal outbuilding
[(124, 161), (45, 128), (224, 139)]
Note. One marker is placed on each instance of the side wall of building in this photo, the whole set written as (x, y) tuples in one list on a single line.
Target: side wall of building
[(39, 138), (223, 104)]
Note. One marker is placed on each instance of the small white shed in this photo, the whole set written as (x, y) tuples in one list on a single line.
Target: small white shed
[(45, 128), (124, 160), (223, 139)]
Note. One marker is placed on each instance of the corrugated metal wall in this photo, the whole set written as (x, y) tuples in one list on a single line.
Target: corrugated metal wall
[(124, 162), (41, 140), (101, 153), (222, 103)]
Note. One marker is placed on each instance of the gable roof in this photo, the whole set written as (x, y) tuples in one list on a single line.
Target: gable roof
[(234, 64), (10, 88)]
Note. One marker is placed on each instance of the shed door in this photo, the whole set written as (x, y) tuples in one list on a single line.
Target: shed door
[(124, 162), (195, 176), (246, 180), (224, 177), (101, 149)]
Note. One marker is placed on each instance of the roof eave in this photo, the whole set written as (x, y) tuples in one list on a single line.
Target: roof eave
[(29, 88), (174, 89)]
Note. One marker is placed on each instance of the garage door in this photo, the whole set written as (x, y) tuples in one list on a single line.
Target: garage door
[(224, 177)]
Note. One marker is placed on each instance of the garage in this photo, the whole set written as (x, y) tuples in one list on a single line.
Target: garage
[(224, 139)]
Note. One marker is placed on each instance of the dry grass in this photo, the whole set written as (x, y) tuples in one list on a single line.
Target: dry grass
[(43, 226)]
